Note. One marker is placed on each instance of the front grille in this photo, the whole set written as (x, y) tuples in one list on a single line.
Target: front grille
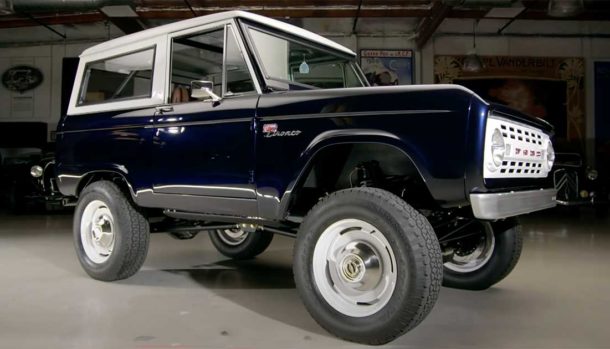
[(525, 155)]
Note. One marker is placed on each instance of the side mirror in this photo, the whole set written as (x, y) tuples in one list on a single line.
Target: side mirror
[(203, 90)]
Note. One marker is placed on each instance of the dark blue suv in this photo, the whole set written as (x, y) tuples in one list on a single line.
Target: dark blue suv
[(244, 127)]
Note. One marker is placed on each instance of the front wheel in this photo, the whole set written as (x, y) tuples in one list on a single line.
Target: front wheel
[(486, 255), (367, 265)]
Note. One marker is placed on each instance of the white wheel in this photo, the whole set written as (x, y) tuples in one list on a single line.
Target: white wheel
[(110, 235), (97, 231), (367, 265), (354, 267)]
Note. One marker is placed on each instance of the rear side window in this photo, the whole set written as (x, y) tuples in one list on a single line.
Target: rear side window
[(122, 77)]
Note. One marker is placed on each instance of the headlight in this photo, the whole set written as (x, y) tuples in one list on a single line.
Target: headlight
[(36, 171), (550, 155), (498, 147), (592, 174)]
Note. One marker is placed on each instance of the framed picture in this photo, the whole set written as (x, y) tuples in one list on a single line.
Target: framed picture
[(387, 67), (551, 88)]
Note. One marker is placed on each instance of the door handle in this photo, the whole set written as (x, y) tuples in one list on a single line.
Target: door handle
[(164, 109)]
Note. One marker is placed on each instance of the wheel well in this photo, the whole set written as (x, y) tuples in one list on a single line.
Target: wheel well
[(113, 177), (344, 166)]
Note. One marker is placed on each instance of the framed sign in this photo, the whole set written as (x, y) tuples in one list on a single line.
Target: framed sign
[(387, 67), (551, 88), (21, 78)]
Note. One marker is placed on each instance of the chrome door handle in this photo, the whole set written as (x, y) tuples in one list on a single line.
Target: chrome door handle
[(164, 109)]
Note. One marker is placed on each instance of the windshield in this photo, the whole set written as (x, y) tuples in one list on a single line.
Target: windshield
[(301, 65)]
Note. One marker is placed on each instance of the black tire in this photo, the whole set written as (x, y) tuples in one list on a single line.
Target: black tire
[(505, 255), (131, 233), (254, 244), (413, 244)]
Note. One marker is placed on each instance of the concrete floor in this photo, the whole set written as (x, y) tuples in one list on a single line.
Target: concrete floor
[(189, 296)]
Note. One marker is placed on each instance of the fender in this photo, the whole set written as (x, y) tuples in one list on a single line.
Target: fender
[(72, 184), (351, 136)]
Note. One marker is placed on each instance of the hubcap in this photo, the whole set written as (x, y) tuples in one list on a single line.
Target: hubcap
[(471, 253), (232, 237), (97, 231), (354, 268)]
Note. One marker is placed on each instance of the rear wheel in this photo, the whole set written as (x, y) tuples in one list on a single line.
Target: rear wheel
[(238, 243), (486, 254), (367, 266), (110, 235)]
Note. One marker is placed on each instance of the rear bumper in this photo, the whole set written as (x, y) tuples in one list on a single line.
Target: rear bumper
[(514, 203)]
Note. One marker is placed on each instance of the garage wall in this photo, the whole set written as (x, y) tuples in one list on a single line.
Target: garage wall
[(453, 37), (42, 104)]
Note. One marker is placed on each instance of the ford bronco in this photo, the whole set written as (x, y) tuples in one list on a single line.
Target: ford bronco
[(243, 127)]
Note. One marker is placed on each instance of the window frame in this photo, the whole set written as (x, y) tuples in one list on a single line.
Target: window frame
[(156, 95), (283, 83), (202, 29), (86, 77)]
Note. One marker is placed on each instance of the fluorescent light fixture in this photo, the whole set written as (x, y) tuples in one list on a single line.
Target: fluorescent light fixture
[(504, 12), (119, 11)]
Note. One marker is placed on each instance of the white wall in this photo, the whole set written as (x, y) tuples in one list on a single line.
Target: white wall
[(44, 102)]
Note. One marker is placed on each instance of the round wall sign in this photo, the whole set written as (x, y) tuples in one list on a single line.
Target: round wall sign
[(21, 78)]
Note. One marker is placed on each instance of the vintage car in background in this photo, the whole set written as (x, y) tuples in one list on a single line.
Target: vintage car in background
[(579, 185), (28, 182), (243, 127)]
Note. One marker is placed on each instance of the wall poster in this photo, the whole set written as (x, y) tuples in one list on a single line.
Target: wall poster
[(551, 88), (387, 67)]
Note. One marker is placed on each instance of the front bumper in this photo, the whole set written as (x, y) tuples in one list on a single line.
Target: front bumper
[(514, 203)]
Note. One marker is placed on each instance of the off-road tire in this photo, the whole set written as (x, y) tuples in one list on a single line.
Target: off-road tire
[(506, 253), (418, 264), (132, 233)]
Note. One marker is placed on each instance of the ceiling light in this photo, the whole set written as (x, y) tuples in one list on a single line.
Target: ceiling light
[(472, 62), (119, 11), (565, 8)]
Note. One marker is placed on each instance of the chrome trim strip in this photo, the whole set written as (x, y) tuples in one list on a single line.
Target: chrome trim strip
[(161, 125), (351, 114), (198, 123), (514, 203)]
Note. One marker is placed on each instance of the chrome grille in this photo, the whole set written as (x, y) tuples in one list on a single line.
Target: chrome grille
[(525, 155)]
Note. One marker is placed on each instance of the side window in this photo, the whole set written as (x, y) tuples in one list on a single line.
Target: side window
[(202, 57), (239, 79), (116, 78)]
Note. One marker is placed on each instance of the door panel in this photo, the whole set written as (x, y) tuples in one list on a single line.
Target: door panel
[(203, 148)]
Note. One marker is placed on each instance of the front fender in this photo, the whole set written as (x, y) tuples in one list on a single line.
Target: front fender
[(442, 190)]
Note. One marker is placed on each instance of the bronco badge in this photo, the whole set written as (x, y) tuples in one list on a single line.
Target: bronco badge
[(271, 130)]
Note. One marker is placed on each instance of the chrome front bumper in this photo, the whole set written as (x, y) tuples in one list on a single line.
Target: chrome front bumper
[(514, 203)]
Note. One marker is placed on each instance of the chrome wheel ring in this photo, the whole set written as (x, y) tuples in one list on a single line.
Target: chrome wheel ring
[(354, 268), (97, 231), (232, 237), (480, 255)]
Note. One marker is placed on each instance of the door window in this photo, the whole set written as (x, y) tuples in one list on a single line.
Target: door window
[(212, 56)]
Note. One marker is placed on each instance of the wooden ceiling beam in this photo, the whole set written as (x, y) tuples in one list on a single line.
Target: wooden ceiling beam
[(428, 25), (18, 21)]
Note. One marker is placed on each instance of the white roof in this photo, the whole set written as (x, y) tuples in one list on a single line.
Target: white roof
[(197, 21)]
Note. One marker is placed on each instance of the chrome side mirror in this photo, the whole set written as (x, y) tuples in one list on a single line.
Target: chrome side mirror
[(203, 90)]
